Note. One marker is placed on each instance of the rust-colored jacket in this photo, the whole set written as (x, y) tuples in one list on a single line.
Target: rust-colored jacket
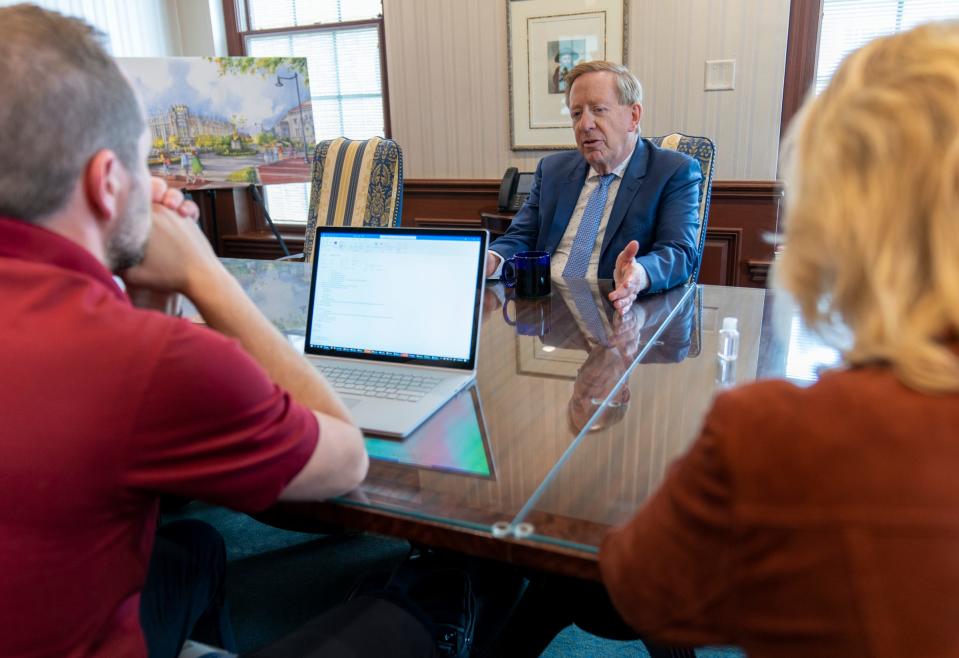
[(804, 522)]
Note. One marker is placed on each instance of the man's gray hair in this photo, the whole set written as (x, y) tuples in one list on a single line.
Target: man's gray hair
[(628, 87), (64, 99)]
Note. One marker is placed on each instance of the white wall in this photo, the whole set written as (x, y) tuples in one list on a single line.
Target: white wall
[(449, 97), (134, 28), (202, 33), (744, 123)]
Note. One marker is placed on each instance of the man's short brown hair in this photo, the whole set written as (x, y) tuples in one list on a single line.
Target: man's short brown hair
[(64, 99), (628, 87)]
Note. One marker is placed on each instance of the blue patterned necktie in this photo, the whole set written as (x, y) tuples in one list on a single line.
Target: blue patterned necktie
[(585, 240)]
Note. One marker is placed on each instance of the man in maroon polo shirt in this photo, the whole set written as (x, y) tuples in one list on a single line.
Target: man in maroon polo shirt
[(107, 406)]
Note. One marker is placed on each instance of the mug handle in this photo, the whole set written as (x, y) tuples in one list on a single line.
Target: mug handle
[(508, 273), (506, 317)]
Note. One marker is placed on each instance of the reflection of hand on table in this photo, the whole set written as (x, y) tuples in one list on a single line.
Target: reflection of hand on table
[(626, 332), (493, 296), (604, 366)]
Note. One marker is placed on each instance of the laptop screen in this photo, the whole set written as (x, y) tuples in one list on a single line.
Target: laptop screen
[(403, 295)]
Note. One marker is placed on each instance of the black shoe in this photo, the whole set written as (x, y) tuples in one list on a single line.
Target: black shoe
[(438, 594), (446, 596)]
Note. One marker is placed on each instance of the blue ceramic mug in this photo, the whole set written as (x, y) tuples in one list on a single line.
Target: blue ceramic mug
[(528, 273)]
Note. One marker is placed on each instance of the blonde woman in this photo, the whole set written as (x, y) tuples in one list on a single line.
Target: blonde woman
[(825, 521)]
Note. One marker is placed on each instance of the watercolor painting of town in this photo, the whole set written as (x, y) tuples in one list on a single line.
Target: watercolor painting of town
[(226, 119)]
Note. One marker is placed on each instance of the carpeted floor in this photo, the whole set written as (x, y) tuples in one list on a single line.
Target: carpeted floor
[(278, 580)]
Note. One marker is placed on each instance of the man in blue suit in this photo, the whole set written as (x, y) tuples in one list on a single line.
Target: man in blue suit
[(618, 207)]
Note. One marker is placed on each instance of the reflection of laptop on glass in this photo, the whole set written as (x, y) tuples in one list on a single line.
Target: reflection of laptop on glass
[(454, 441), (393, 319)]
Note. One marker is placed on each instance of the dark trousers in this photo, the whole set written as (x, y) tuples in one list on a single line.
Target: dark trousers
[(551, 603), (363, 627), (184, 594)]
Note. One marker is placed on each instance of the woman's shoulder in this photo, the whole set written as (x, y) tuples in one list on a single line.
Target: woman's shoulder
[(781, 406)]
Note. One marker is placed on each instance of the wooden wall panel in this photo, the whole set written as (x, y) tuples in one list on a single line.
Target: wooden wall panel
[(737, 253), (754, 208), (721, 257)]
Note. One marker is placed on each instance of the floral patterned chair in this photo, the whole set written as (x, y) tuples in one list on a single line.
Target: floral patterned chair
[(355, 183), (702, 149)]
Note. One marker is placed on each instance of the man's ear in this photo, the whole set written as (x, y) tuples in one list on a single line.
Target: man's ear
[(637, 114), (103, 182)]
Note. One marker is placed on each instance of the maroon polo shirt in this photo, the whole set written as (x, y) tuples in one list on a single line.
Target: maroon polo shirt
[(104, 407)]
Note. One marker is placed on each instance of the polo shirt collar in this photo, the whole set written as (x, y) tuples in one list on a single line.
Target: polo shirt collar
[(28, 242)]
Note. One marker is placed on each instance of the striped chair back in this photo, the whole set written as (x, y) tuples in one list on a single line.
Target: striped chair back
[(703, 150), (355, 183)]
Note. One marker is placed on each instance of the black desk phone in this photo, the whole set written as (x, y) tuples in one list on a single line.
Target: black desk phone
[(514, 189)]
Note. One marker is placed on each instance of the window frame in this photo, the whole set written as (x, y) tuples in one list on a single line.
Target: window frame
[(802, 52), (802, 55), (236, 16)]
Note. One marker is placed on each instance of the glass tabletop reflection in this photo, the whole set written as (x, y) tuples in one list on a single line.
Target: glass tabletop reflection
[(549, 370), (613, 467)]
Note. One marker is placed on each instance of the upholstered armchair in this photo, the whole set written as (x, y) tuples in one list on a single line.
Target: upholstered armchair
[(702, 149), (354, 183)]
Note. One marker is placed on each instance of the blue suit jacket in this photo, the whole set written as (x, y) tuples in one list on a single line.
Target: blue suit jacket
[(657, 204)]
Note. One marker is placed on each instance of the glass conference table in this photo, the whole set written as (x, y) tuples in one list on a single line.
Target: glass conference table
[(574, 417)]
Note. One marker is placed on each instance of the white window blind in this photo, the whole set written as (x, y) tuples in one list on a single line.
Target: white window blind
[(346, 90), (849, 24), (345, 82), (807, 354), (269, 14), (287, 203)]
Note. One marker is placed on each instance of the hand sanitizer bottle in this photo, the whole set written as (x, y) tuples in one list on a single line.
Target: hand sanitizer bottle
[(729, 340)]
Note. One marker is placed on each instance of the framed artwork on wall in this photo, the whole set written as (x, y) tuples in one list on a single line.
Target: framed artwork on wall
[(545, 39)]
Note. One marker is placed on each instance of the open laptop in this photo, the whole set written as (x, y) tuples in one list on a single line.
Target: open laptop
[(393, 319)]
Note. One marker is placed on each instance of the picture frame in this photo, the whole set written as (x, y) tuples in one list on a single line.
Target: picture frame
[(546, 38)]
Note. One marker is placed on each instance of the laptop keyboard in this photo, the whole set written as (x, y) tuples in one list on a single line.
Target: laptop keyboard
[(379, 384)]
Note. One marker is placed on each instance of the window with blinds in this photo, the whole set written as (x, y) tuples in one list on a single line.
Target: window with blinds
[(272, 14), (340, 40), (807, 354), (849, 24), (345, 83)]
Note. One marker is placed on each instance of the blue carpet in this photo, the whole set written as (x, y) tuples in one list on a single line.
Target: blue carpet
[(576, 643)]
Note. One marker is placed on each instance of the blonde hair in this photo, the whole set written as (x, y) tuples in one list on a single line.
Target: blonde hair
[(872, 209), (628, 88)]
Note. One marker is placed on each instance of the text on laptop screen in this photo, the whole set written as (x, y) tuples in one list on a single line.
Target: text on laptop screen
[(395, 295)]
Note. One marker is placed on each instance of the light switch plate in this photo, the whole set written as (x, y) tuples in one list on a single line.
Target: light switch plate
[(720, 74)]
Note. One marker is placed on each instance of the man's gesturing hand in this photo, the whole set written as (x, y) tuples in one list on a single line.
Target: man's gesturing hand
[(630, 278)]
